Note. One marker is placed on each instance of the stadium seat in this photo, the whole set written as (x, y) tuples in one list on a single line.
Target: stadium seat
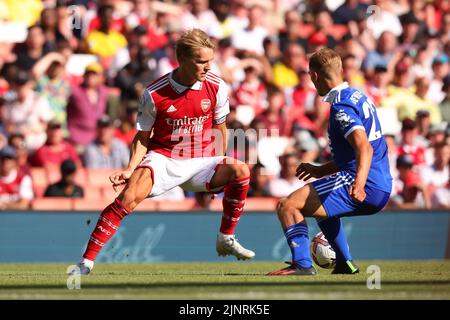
[(93, 193), (39, 190), (52, 204), (39, 177), (53, 173), (261, 204), (251, 204), (108, 193), (81, 177), (181, 205), (89, 204), (99, 177), (147, 205)]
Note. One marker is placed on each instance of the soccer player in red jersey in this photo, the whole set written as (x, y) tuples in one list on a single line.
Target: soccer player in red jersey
[(186, 110)]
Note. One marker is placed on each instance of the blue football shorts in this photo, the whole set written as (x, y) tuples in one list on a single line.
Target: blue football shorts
[(334, 194)]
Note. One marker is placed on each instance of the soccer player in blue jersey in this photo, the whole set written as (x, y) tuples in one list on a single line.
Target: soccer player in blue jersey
[(356, 182)]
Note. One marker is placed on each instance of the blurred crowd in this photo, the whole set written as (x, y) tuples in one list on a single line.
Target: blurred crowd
[(72, 72)]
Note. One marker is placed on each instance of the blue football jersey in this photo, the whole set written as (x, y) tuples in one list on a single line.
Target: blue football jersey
[(352, 110)]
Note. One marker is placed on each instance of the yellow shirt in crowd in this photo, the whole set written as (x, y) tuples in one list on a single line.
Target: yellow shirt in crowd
[(26, 11), (105, 45)]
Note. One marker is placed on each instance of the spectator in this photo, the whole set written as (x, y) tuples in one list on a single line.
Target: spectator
[(295, 30), (325, 26), (52, 84), (412, 30), (258, 182), (24, 11), (444, 106), (437, 175), (136, 74), (423, 103), (383, 54), (66, 187), (302, 107), (250, 39), (28, 113), (377, 89), (251, 92), (86, 105), (287, 182), (16, 189), (56, 149), (408, 191), (348, 11), (17, 142), (273, 117), (32, 50), (285, 73), (352, 72), (440, 69), (410, 144), (423, 122), (106, 151), (105, 42), (198, 15), (384, 20), (127, 131), (55, 25), (436, 136)]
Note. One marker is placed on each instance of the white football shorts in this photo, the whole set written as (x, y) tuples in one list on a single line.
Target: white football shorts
[(190, 174)]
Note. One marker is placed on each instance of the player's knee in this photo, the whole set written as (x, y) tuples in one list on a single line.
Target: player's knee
[(241, 170), (128, 198), (136, 191), (285, 207)]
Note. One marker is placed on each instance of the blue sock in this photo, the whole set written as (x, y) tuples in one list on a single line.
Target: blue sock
[(334, 232), (298, 241)]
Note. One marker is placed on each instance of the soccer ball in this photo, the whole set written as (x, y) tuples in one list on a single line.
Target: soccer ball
[(322, 253)]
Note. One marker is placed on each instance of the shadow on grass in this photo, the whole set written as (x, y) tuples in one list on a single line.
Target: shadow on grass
[(178, 285)]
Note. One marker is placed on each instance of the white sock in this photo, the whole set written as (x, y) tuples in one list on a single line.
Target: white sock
[(223, 236), (88, 263)]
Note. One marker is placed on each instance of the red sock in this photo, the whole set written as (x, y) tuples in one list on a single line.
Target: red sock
[(107, 225), (233, 203)]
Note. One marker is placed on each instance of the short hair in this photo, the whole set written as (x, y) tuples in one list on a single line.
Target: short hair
[(190, 41), (326, 61)]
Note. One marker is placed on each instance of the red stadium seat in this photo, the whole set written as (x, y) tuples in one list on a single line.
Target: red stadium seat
[(53, 173), (181, 205), (39, 177), (81, 177), (147, 205), (99, 177), (251, 204), (93, 193), (52, 204), (89, 204)]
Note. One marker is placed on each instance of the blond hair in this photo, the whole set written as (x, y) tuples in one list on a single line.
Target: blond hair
[(326, 61), (190, 41)]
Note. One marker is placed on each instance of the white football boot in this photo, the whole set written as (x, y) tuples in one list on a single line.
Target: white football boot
[(228, 245), (82, 268)]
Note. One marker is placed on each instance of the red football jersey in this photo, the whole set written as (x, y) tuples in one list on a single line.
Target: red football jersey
[(15, 186), (182, 117)]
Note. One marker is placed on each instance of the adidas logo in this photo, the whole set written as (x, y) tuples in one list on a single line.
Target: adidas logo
[(171, 109)]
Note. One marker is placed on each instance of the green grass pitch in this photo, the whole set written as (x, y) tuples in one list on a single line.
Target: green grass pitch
[(227, 280)]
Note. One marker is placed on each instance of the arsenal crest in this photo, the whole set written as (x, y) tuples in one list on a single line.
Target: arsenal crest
[(205, 104)]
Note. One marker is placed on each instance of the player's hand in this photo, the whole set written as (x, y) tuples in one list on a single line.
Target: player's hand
[(357, 192), (305, 171), (119, 178)]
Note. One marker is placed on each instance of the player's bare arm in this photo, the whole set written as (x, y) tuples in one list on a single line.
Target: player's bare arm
[(223, 141), (306, 171), (363, 152), (138, 149)]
